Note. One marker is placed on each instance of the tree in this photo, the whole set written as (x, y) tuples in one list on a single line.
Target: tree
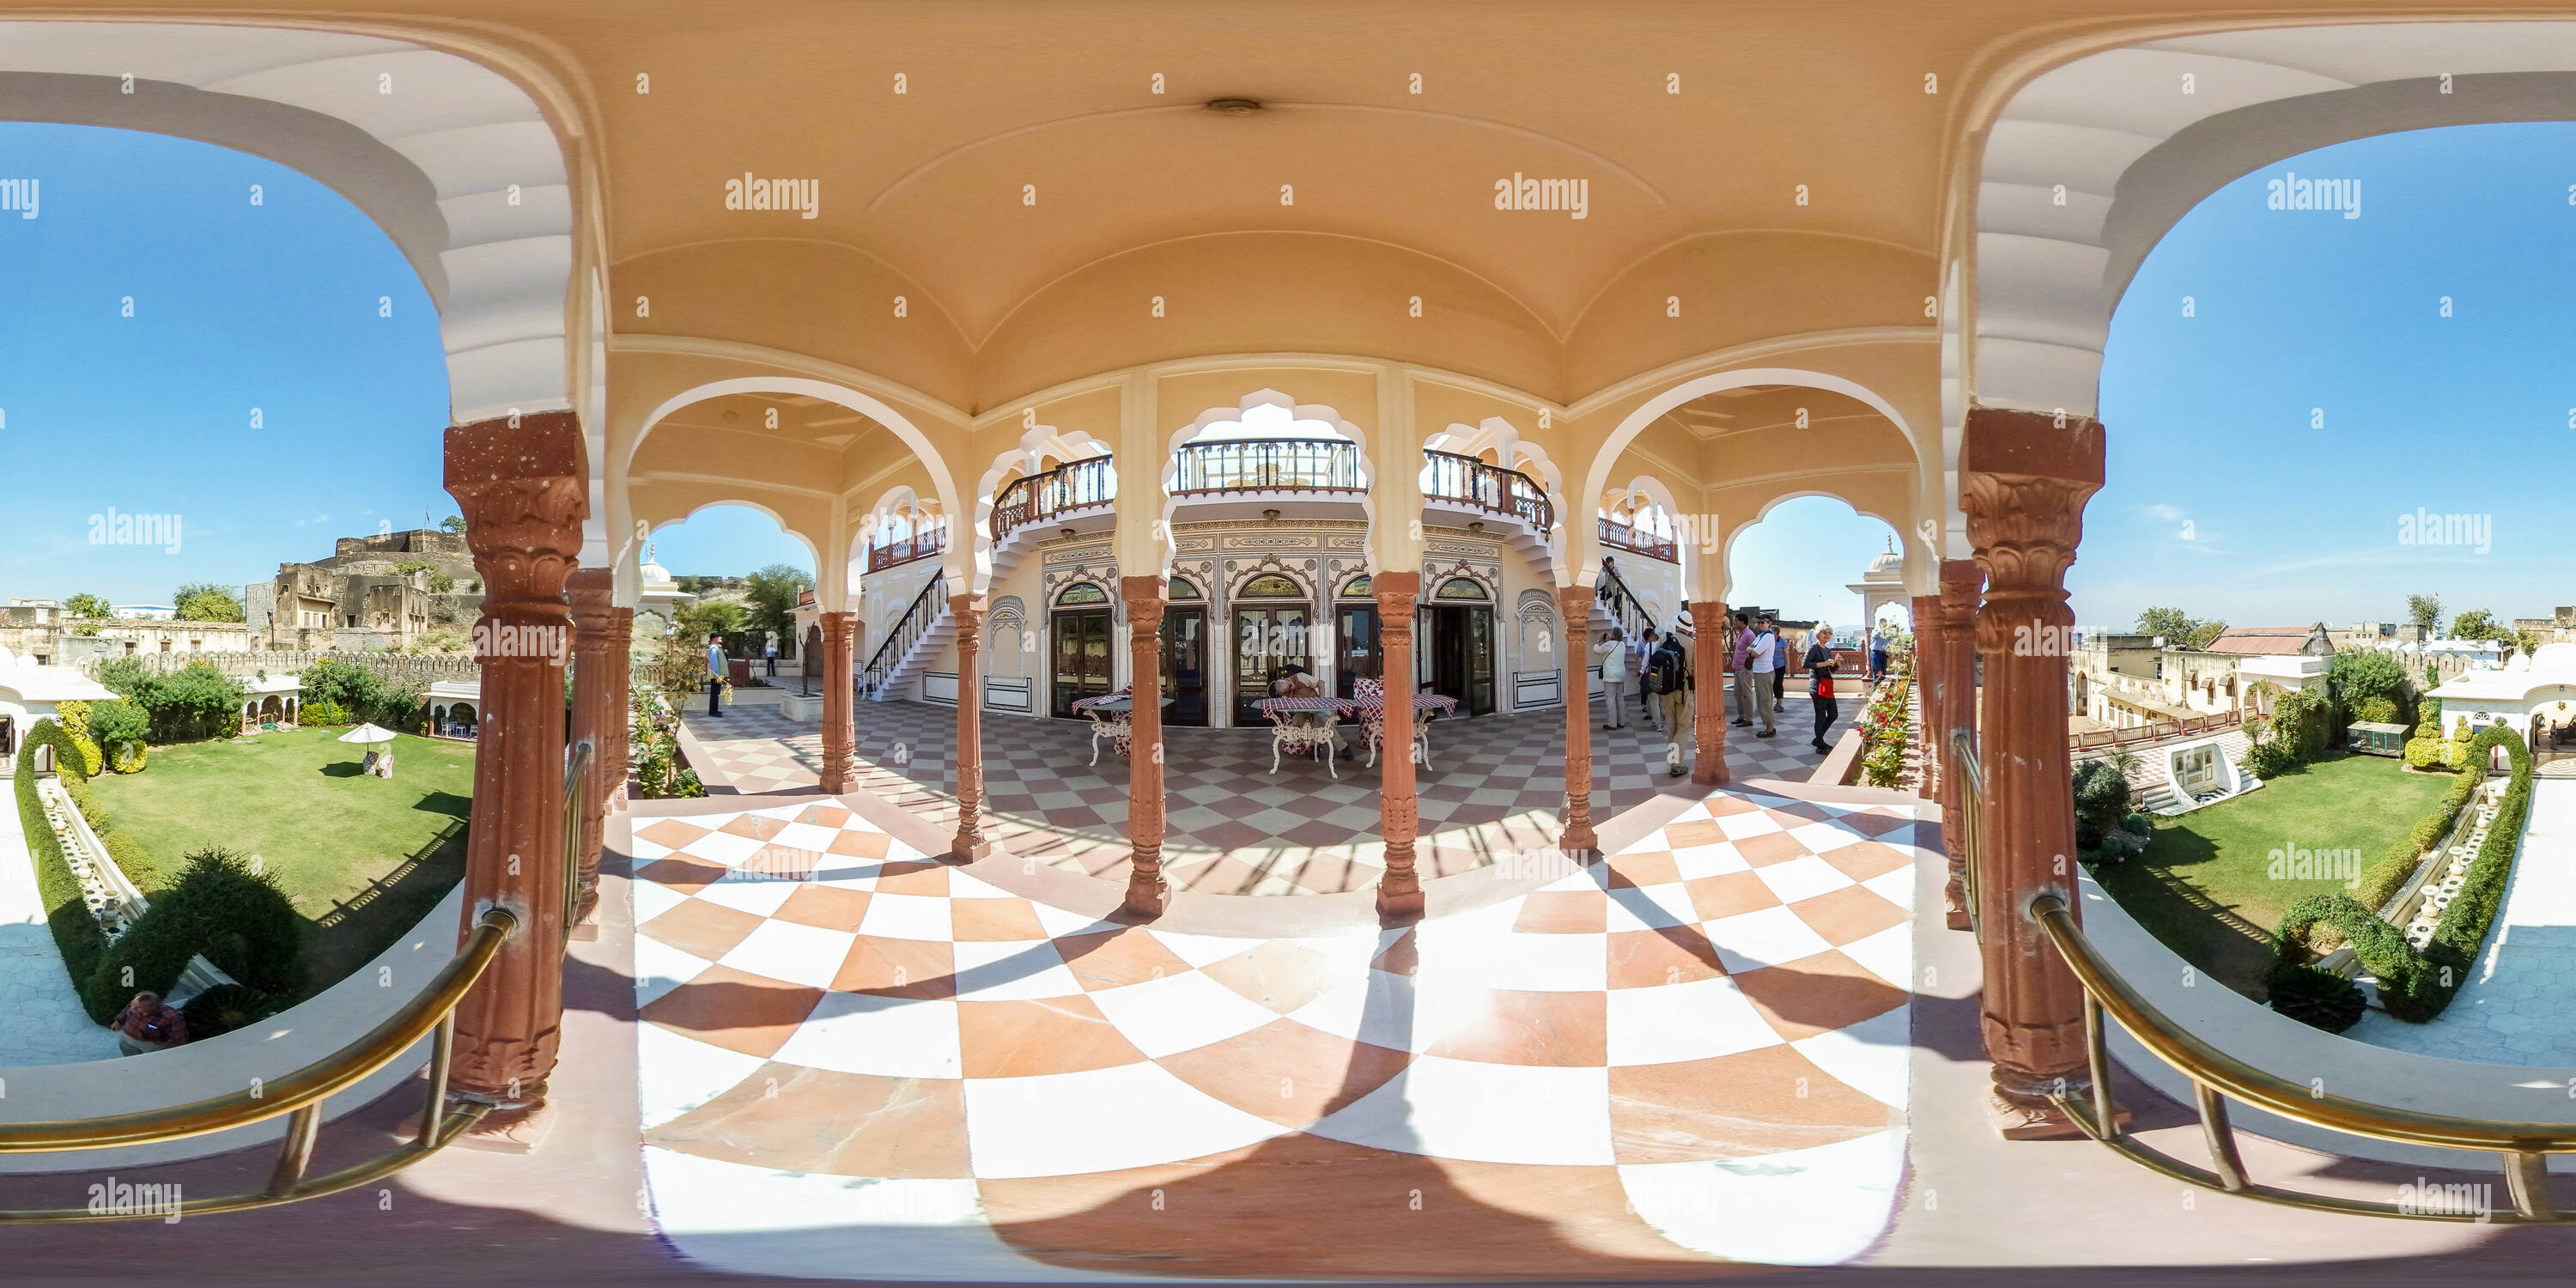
[(2180, 629), (2369, 684), (452, 523), (709, 617), (195, 701), (352, 688), (89, 606), (773, 592), (2478, 624), (115, 723), (2425, 611), (124, 677), (204, 601)]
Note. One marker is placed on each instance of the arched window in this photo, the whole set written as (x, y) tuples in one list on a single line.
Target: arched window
[(1358, 587), (1080, 594), (1184, 588), (1271, 585), (1461, 588)]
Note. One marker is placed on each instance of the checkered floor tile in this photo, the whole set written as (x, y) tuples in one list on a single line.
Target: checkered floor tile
[(859, 1062), (1494, 788)]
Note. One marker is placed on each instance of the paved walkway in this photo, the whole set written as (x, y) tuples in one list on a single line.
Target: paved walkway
[(41, 1019), (1494, 789), (2519, 1005), (857, 1063)]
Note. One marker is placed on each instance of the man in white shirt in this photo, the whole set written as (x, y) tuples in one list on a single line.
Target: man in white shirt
[(1765, 662)]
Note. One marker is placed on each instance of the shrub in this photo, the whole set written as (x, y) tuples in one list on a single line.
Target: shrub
[(2368, 676), (325, 713), (2374, 711), (224, 1008), (75, 718), (2269, 758), (344, 685), (2426, 751), (2303, 723), (402, 707), (220, 907), (120, 727), (2101, 802), (2379, 884), (2311, 995), (135, 862)]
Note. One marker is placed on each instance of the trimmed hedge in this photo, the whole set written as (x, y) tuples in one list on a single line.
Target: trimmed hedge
[(218, 906), (2379, 884), (76, 933), (2416, 986)]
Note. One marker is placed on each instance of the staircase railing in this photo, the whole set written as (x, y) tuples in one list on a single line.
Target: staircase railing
[(301, 1094), (1076, 485), (1613, 594), (900, 637), (2217, 1077), (1447, 476)]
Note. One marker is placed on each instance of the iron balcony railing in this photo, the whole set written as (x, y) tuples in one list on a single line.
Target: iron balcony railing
[(1268, 465), (916, 622), (1447, 476), (300, 1093), (1078, 485), (1625, 537), (930, 540)]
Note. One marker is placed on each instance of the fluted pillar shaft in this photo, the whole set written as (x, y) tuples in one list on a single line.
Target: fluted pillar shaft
[(840, 737), (598, 715), (1399, 806), (1146, 892), (1574, 609), (1708, 696), (1953, 686), (968, 611), (524, 491), (2023, 483)]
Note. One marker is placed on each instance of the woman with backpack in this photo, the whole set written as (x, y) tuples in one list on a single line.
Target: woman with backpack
[(1667, 683), (1820, 670)]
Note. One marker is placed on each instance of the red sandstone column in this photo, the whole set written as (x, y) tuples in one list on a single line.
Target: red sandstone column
[(1399, 809), (1954, 687), (840, 739), (969, 613), (1146, 892), (1926, 659), (598, 714), (524, 489), (2023, 482), (621, 681), (1574, 609), (1708, 697)]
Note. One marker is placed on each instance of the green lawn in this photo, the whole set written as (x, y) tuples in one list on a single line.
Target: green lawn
[(364, 858), (2204, 886)]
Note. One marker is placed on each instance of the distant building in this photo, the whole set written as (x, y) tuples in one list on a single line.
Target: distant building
[(384, 591), (2268, 641)]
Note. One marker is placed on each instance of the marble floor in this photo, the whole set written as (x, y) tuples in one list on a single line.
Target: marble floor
[(1494, 789), (44, 1020), (858, 1063)]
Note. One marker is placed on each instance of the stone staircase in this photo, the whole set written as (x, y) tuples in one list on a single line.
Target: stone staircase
[(2148, 783)]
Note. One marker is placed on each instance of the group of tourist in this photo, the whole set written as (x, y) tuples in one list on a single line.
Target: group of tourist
[(1760, 659)]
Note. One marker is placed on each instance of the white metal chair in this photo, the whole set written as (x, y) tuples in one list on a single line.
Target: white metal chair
[(1289, 733), (1368, 692)]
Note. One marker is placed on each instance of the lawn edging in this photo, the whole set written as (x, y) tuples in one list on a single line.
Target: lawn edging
[(2287, 1048), (219, 1066)]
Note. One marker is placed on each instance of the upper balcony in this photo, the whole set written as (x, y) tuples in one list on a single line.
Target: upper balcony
[(1653, 545), (1244, 478)]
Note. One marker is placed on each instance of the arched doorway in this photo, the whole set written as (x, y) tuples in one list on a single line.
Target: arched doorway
[(1081, 662), (1355, 628), (1185, 654), (1458, 644), (1273, 615)]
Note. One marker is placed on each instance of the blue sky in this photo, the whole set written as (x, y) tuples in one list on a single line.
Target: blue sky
[(2209, 417), (235, 307)]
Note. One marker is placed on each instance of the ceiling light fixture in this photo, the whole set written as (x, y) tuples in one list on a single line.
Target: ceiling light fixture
[(1234, 106)]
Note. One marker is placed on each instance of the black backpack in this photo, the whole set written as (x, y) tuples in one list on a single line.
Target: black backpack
[(1664, 671)]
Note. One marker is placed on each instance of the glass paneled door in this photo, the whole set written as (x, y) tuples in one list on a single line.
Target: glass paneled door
[(1185, 665), (1269, 645), (1081, 658)]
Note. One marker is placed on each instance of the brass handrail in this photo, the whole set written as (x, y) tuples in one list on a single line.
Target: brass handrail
[(1971, 802), (2217, 1077), (576, 783), (300, 1093)]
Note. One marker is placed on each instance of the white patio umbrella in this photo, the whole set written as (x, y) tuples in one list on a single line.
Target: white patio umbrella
[(368, 734)]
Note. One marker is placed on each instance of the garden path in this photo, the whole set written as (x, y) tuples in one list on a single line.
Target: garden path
[(2519, 1005), (44, 1022)]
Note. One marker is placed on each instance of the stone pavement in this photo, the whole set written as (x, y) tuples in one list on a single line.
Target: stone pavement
[(41, 1019), (2519, 1005)]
